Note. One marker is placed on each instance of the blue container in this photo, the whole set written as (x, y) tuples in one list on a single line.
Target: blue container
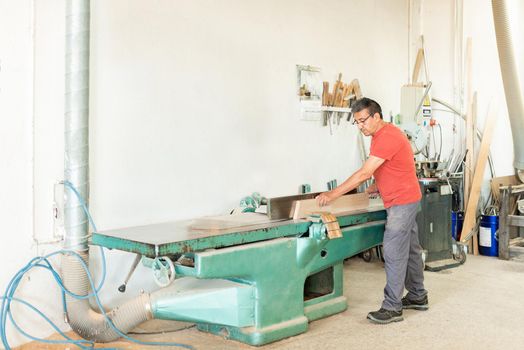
[(488, 238), (457, 219)]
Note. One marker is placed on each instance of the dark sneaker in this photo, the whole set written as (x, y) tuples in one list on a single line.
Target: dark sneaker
[(421, 305), (384, 316)]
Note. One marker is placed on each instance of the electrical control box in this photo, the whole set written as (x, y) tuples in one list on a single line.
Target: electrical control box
[(410, 99)]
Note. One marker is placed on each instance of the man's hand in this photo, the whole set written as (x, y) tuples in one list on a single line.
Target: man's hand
[(324, 198), (372, 191)]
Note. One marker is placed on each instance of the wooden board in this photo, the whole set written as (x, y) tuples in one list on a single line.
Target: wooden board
[(418, 64), (471, 209), (496, 182), (346, 203), (473, 131), (467, 162), (355, 88), (470, 132), (283, 207), (225, 222)]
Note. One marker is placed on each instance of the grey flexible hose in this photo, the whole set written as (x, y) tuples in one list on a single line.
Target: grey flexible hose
[(86, 322), (506, 40)]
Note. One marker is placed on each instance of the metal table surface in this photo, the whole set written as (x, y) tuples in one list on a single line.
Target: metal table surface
[(206, 227), (213, 232)]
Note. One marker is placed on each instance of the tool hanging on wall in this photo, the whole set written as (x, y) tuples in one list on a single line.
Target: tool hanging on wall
[(336, 104), (342, 95)]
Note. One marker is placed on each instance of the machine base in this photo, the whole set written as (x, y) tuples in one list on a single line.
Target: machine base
[(258, 337)]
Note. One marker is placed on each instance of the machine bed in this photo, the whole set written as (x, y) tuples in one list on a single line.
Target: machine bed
[(176, 237)]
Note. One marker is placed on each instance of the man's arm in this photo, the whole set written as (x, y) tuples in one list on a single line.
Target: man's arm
[(361, 175)]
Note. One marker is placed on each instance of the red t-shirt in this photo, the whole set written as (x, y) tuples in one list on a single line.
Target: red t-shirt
[(396, 178)]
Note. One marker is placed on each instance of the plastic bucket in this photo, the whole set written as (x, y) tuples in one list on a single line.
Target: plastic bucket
[(457, 219), (488, 237)]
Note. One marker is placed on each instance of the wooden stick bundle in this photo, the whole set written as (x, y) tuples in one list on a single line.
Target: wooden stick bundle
[(341, 94)]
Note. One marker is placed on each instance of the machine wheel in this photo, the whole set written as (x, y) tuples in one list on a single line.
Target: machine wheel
[(367, 255), (462, 257), (380, 253), (163, 271), (460, 254)]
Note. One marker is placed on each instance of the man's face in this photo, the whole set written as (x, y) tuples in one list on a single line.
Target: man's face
[(366, 122)]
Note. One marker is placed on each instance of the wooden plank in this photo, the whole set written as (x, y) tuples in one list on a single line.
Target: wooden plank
[(356, 88), (283, 207), (418, 63), (225, 222), (473, 131), (496, 182), (471, 209), (335, 89), (503, 226), (474, 156), (468, 161), (332, 226), (346, 203), (325, 93), (514, 189), (470, 133)]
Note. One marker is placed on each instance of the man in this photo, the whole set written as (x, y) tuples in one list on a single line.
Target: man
[(392, 164)]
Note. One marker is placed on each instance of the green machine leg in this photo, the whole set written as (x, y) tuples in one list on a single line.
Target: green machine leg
[(295, 280)]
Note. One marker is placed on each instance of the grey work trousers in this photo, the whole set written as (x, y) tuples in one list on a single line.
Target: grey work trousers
[(403, 257)]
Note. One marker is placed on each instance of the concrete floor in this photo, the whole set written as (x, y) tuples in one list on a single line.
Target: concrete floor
[(479, 305)]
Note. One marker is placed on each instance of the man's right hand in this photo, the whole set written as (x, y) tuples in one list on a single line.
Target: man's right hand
[(325, 198)]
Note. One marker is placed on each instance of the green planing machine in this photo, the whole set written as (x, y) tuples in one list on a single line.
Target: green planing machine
[(248, 277)]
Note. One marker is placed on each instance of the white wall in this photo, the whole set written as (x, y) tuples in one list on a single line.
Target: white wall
[(31, 109), (190, 111), (193, 106)]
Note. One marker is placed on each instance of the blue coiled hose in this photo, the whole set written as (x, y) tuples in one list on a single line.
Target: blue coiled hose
[(43, 262)]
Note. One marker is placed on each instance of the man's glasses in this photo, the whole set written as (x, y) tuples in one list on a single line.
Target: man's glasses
[(362, 121)]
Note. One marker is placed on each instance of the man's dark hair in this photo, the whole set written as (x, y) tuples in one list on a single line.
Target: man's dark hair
[(366, 103)]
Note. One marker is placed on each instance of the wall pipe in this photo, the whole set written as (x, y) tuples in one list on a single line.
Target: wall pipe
[(510, 76), (82, 319)]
